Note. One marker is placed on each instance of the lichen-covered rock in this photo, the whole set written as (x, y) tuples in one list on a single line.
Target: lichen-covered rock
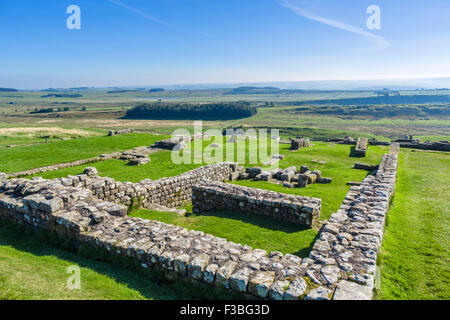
[(239, 279), (320, 293), (278, 288), (197, 265), (91, 171), (224, 274), (260, 283), (296, 289), (209, 274), (180, 263), (347, 290)]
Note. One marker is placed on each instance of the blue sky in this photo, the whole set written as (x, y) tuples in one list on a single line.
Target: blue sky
[(151, 42)]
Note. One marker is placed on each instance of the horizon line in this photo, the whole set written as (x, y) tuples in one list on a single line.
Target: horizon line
[(233, 83)]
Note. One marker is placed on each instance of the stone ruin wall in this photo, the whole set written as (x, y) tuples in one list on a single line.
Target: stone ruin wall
[(404, 143), (74, 213), (361, 147), (343, 259), (61, 166), (341, 265), (168, 192), (211, 196), (128, 155)]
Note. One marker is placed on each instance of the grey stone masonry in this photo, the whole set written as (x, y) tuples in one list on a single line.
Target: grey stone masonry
[(361, 147), (75, 214), (168, 192), (341, 265), (63, 165), (209, 196), (348, 245), (179, 142)]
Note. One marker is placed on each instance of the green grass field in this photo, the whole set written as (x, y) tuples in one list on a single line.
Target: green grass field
[(338, 165), (415, 254), (28, 157), (255, 231), (104, 110), (414, 257), (34, 267)]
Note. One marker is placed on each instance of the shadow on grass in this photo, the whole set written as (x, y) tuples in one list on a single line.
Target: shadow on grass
[(304, 253), (353, 153), (257, 220), (267, 223), (150, 284)]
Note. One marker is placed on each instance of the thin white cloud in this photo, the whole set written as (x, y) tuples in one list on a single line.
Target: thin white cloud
[(379, 40), (157, 20), (141, 13)]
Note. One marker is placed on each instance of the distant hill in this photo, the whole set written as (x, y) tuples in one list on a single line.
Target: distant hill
[(156, 90), (8, 90), (261, 90), (62, 95), (378, 111), (122, 91), (410, 99)]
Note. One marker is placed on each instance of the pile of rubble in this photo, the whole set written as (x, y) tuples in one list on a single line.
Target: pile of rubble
[(299, 143), (118, 132), (179, 142), (290, 177), (137, 156)]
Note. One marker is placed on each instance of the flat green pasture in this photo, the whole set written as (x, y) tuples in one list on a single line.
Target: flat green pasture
[(29, 157), (415, 255)]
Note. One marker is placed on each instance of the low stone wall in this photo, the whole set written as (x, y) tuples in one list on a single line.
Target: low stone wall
[(60, 166), (168, 192), (76, 214), (361, 147), (210, 196), (343, 260), (364, 166), (436, 146)]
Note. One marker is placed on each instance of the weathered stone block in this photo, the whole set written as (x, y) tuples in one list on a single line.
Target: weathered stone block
[(347, 290), (198, 265), (260, 284), (224, 274), (239, 280), (296, 289)]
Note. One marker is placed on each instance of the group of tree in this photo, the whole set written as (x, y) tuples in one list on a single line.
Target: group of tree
[(156, 90), (48, 110), (262, 90), (62, 95), (8, 90), (185, 111), (387, 92)]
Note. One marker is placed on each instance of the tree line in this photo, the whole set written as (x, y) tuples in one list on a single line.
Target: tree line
[(185, 111)]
